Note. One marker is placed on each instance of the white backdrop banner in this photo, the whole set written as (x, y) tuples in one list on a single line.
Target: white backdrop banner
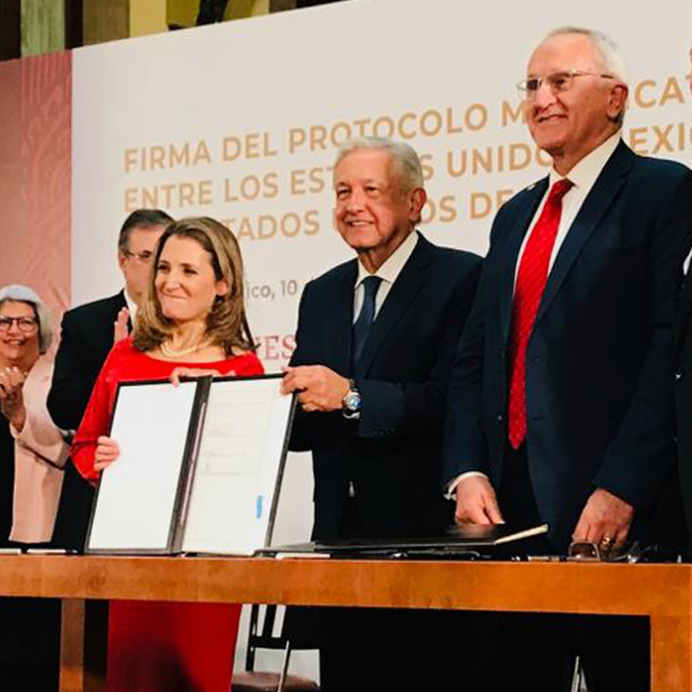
[(241, 121)]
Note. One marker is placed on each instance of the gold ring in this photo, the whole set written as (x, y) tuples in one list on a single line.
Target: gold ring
[(606, 541)]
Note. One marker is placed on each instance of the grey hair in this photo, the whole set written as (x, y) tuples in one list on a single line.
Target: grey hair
[(609, 52), (23, 294), (403, 156)]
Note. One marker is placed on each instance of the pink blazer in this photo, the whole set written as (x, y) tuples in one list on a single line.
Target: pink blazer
[(40, 453)]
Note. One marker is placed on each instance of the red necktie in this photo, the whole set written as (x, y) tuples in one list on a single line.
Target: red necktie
[(531, 279)]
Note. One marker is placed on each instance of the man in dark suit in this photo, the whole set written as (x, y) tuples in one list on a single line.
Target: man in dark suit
[(560, 402), (88, 333), (375, 343), (683, 384)]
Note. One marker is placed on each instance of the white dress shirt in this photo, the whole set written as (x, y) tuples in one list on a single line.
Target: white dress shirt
[(132, 307), (686, 263), (388, 272), (583, 176)]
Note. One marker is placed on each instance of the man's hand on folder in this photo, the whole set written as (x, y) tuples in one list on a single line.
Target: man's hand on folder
[(320, 388), (476, 502)]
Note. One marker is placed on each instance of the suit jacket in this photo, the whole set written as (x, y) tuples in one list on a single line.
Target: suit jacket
[(391, 455), (598, 386), (683, 396), (40, 453), (86, 339), (85, 342)]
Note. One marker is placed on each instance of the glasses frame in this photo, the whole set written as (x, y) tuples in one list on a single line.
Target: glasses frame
[(530, 94), (26, 325), (587, 551), (141, 257)]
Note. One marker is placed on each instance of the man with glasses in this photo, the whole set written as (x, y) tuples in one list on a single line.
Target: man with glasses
[(560, 401), (88, 333)]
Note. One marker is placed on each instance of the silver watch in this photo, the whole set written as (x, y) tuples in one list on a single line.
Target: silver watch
[(352, 402)]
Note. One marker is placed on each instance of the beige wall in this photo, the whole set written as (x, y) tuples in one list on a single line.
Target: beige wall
[(147, 17), (184, 12)]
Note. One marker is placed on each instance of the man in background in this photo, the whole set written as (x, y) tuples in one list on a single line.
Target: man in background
[(375, 343), (561, 400), (88, 333)]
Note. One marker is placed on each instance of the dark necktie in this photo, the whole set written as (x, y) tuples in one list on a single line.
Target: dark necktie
[(362, 325), (531, 280)]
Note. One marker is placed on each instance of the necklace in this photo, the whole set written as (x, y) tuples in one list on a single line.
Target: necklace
[(175, 353)]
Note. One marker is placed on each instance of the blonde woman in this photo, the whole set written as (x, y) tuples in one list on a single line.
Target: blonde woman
[(192, 321)]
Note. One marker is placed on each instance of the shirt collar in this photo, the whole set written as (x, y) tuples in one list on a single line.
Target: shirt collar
[(390, 270), (131, 306), (585, 173)]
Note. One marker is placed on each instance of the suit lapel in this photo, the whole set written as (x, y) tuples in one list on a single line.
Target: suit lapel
[(113, 305), (519, 228), (400, 298), (100, 333), (339, 320), (596, 204)]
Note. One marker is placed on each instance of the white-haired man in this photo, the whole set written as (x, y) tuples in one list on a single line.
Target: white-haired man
[(375, 343), (561, 398)]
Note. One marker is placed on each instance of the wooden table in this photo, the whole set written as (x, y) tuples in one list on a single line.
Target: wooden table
[(661, 592)]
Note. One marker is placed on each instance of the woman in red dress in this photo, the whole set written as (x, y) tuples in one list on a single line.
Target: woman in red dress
[(192, 322)]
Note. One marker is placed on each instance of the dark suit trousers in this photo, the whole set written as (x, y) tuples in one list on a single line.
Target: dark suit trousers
[(537, 652), (378, 649)]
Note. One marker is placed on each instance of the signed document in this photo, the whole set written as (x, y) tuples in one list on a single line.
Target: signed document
[(200, 467), (239, 467)]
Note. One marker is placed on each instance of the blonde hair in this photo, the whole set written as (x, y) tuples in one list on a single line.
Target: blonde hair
[(227, 324)]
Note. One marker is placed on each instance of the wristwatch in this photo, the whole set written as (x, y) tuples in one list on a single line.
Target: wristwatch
[(352, 402)]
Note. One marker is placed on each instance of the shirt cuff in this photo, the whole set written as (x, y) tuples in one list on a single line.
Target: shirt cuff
[(451, 493)]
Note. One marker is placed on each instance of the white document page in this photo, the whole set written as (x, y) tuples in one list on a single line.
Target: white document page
[(137, 493), (237, 468)]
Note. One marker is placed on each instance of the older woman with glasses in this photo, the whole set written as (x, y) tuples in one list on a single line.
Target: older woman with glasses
[(32, 457), (32, 450)]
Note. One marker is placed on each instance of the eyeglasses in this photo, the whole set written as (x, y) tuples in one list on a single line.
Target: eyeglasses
[(557, 82), (585, 551), (142, 257), (26, 325)]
